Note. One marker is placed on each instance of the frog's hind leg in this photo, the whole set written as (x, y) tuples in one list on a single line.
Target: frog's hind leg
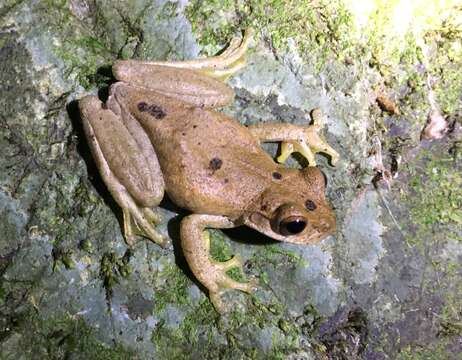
[(219, 67), (196, 247), (128, 165)]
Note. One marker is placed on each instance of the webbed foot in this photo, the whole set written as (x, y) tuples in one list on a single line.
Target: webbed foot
[(211, 273), (309, 142), (223, 282)]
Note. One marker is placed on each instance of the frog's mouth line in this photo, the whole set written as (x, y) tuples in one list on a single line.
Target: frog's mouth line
[(262, 224)]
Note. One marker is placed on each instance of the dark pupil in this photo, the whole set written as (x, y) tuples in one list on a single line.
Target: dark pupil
[(295, 227)]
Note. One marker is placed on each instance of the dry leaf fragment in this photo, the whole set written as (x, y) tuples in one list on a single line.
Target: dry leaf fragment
[(386, 104)]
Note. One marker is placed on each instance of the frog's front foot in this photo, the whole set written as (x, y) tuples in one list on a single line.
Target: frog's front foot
[(306, 140), (309, 142), (212, 274), (219, 281)]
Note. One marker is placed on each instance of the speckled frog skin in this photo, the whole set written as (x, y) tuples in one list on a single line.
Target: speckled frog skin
[(158, 131)]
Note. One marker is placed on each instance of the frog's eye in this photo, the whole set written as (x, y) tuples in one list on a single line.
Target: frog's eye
[(292, 225)]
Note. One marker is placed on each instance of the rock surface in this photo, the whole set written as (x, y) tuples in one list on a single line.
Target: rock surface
[(388, 285)]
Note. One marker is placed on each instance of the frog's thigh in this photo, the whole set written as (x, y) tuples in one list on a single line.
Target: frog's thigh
[(186, 85), (122, 165), (195, 242), (115, 147)]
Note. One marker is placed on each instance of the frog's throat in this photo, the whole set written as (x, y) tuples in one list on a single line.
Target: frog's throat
[(262, 224)]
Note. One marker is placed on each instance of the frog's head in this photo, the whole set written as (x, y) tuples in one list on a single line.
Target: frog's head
[(293, 208)]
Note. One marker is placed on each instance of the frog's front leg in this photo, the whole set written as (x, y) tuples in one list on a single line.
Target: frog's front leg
[(127, 163), (196, 246), (305, 140)]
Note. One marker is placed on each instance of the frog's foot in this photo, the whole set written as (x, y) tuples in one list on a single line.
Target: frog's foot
[(309, 142), (291, 146), (212, 274), (229, 61), (220, 281), (221, 66), (141, 222), (306, 140)]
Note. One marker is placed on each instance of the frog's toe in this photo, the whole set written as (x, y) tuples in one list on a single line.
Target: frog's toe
[(235, 261), (217, 302), (142, 222), (225, 284), (230, 61), (287, 148), (219, 282), (152, 216), (247, 287), (290, 146), (334, 156), (323, 147), (226, 72)]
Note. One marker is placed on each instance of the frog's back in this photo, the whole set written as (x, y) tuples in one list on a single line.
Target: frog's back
[(210, 163)]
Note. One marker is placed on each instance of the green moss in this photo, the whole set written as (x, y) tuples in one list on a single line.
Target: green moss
[(319, 28), (62, 337), (87, 246), (434, 203), (277, 256), (63, 256), (81, 53), (169, 10), (174, 288), (112, 268), (58, 4), (446, 65), (85, 68), (7, 5), (3, 294), (193, 337), (220, 250), (203, 331), (436, 352), (451, 314), (167, 342), (435, 198)]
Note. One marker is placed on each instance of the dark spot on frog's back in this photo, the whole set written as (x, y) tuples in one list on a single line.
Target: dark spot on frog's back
[(215, 164), (152, 109), (277, 175)]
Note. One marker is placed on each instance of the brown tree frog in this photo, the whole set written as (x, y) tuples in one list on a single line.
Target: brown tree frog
[(158, 131)]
